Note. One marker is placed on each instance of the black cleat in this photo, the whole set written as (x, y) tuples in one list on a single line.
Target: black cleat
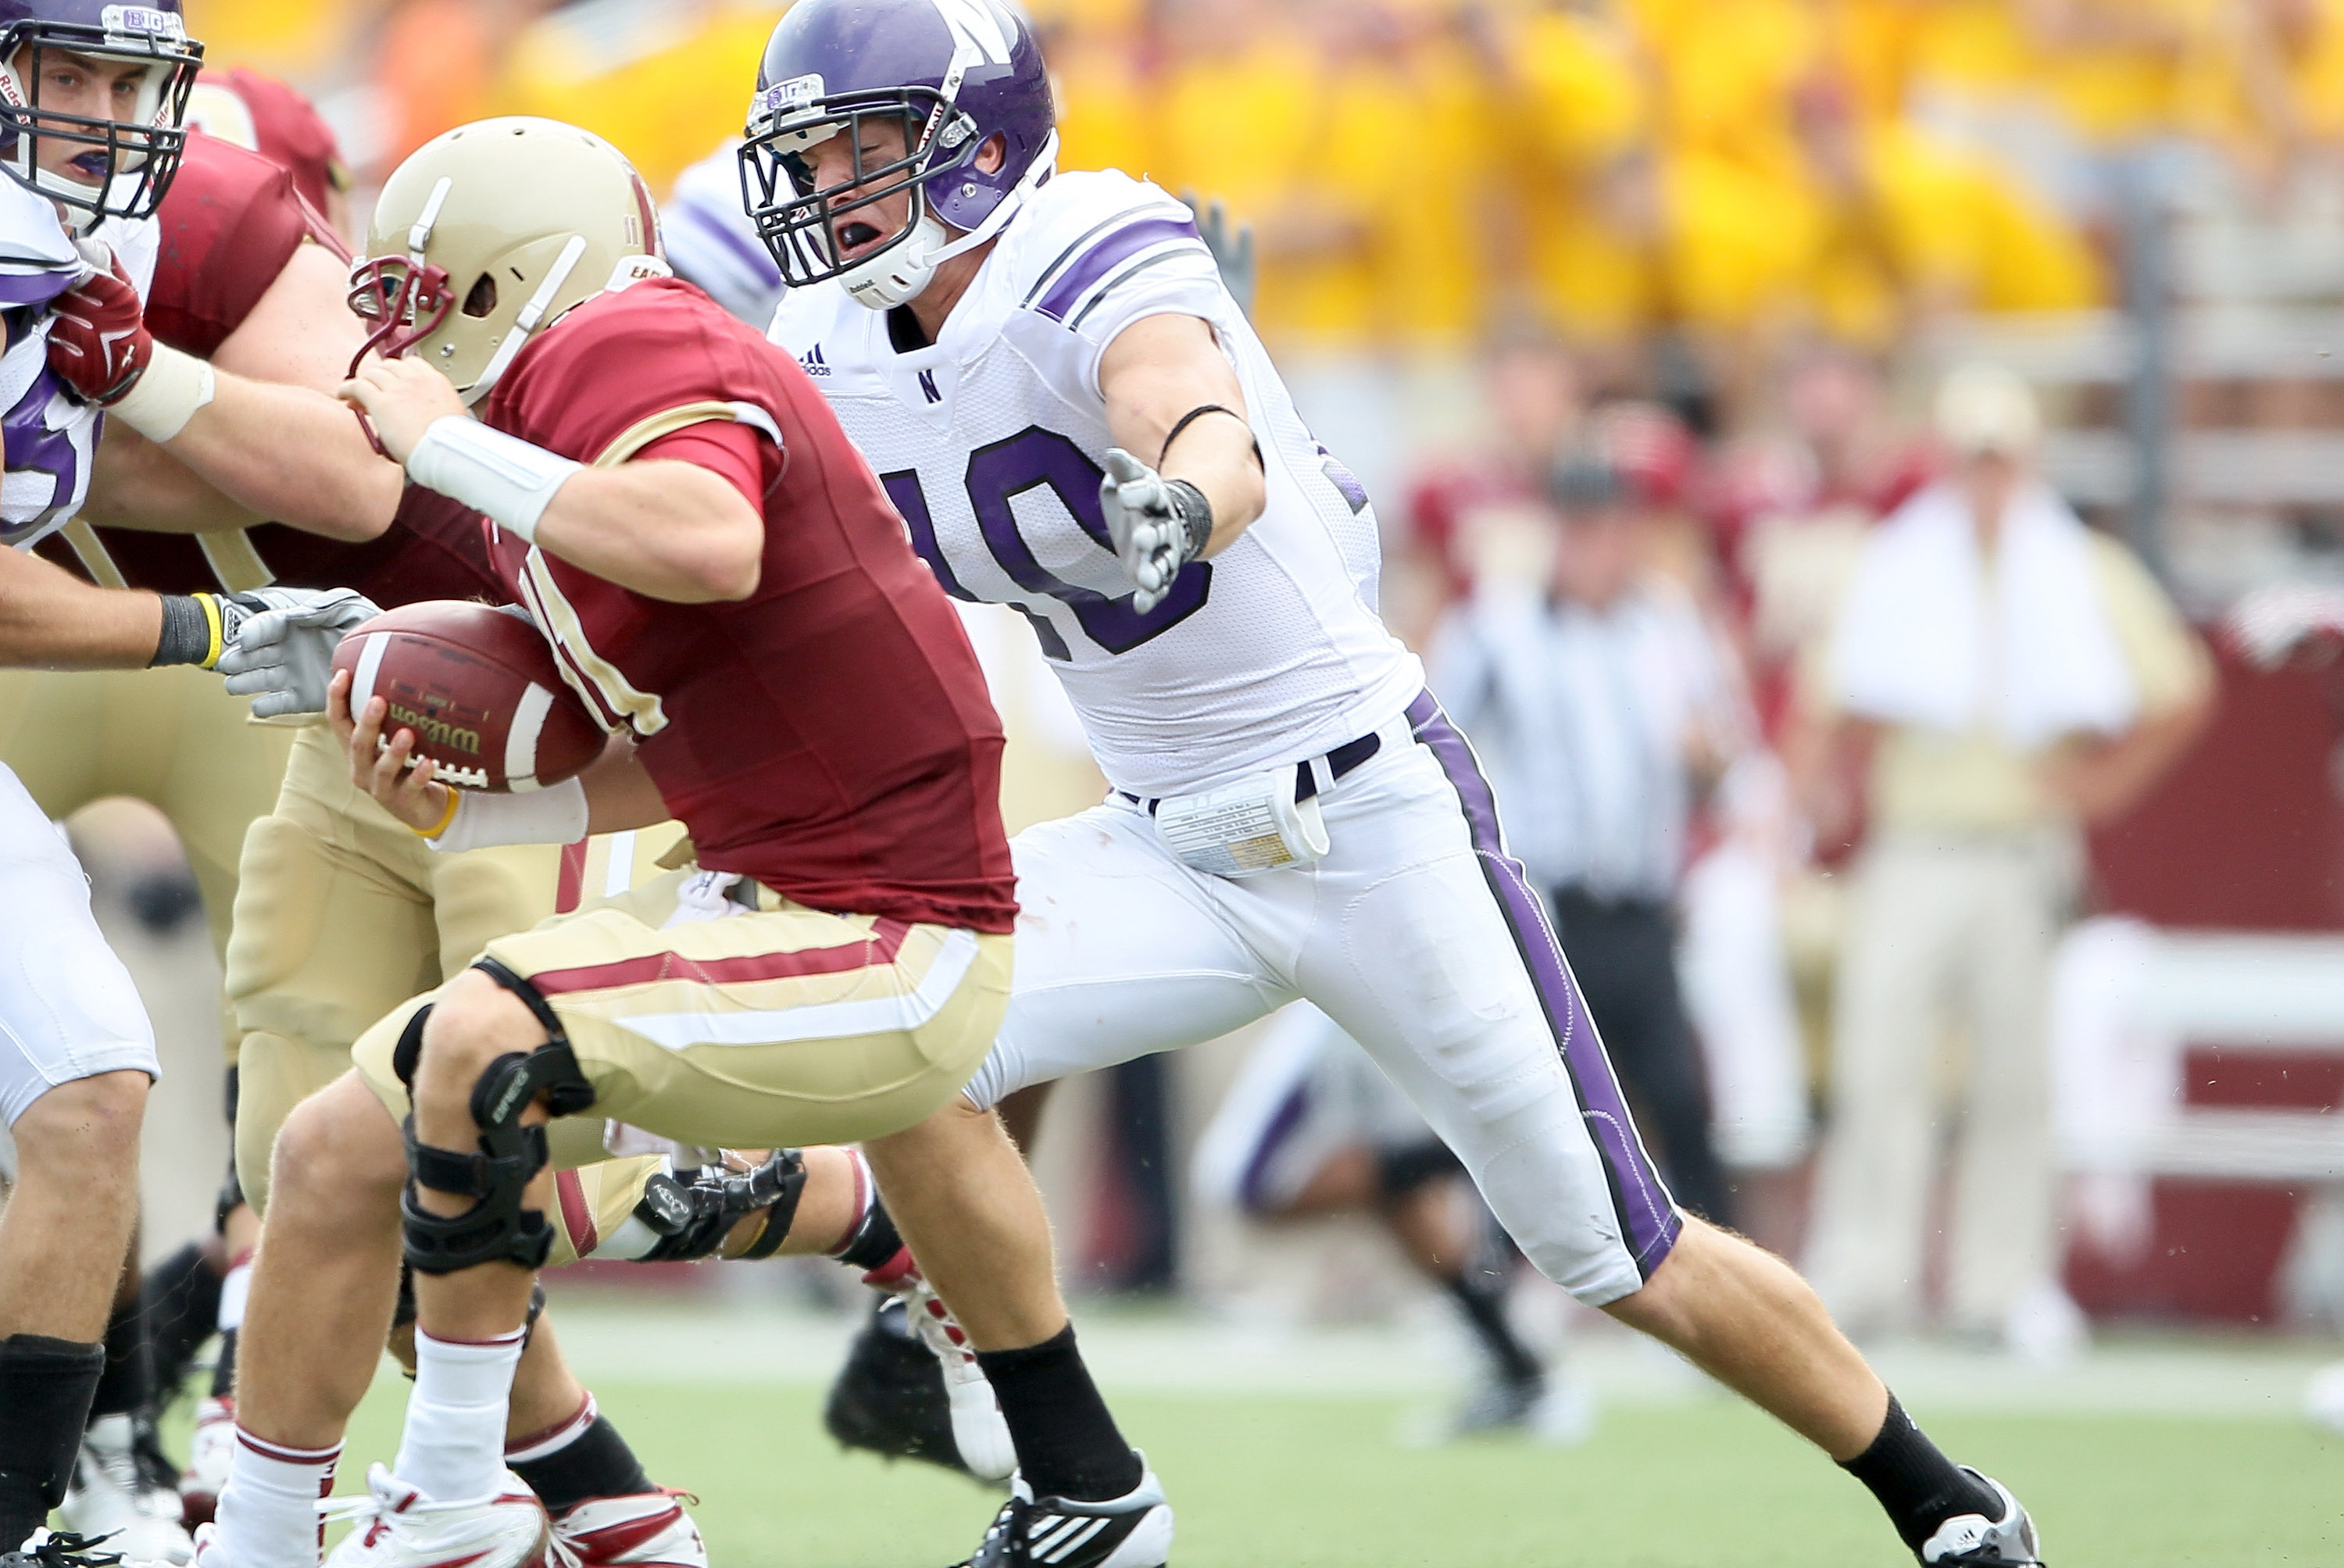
[(1133, 1531), (60, 1549), (890, 1395)]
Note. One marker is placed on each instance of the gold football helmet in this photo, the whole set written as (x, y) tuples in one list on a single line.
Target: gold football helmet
[(490, 232)]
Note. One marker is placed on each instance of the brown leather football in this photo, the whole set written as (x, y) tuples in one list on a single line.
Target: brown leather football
[(479, 687)]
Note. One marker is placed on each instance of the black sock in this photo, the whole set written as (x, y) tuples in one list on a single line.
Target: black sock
[(224, 1371), (597, 1463), (874, 1241), (1481, 1297), (1919, 1487), (180, 1300), (127, 1387), (1402, 1168), (44, 1389), (1067, 1442)]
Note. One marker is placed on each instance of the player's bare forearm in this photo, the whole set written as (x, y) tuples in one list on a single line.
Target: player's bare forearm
[(667, 530), (51, 620), (302, 331), (136, 484), (1157, 371), (620, 793), (293, 455)]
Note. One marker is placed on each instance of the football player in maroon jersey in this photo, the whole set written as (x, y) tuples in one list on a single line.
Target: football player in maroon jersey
[(253, 280), (728, 584)]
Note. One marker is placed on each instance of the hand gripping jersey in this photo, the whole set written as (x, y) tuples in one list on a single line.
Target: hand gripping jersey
[(50, 435), (831, 735), (230, 222), (990, 440)]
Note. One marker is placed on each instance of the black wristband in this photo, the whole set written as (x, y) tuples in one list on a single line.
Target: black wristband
[(186, 632), (1195, 515)]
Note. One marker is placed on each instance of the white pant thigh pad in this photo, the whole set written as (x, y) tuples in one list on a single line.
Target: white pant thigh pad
[(67, 1008)]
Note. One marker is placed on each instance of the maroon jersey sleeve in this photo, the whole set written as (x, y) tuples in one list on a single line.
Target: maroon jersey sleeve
[(743, 456), (830, 737)]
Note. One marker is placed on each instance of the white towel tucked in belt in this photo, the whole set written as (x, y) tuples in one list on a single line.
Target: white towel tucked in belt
[(1925, 640)]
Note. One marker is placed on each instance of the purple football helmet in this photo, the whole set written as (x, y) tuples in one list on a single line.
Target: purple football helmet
[(121, 166), (951, 74)]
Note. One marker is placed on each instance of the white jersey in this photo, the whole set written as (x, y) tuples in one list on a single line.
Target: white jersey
[(990, 443), (51, 435), (711, 241)]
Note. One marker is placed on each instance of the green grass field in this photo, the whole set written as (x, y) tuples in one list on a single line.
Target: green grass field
[(1282, 1483)]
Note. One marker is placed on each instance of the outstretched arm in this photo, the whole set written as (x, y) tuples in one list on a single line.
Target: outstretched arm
[(1156, 372), (51, 620), (285, 451), (667, 530)]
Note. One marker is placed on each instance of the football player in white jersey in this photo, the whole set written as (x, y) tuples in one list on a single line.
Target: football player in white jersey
[(1077, 421), (91, 98)]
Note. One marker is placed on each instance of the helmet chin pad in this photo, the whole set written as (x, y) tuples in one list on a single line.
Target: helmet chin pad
[(901, 272)]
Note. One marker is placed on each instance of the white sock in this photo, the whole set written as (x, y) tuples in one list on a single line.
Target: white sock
[(268, 1515), (236, 1288), (454, 1446)]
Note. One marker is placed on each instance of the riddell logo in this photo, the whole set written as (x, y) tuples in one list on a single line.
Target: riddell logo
[(815, 364)]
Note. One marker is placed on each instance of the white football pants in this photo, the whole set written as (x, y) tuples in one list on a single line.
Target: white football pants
[(1415, 933), (67, 1009)]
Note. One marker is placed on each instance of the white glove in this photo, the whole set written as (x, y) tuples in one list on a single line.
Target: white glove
[(1159, 525), (282, 655)]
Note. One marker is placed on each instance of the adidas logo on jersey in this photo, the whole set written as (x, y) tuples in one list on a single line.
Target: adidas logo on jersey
[(813, 362)]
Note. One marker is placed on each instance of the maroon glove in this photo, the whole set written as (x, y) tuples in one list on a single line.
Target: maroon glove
[(98, 341)]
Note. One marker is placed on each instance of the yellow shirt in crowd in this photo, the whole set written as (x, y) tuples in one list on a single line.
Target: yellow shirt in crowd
[(662, 80)]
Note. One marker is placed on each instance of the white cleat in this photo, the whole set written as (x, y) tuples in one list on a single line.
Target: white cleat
[(978, 1430), (649, 1530), (1973, 1540), (208, 1454), (396, 1527), (125, 1497)]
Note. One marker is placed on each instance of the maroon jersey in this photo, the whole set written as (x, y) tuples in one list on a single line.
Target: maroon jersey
[(230, 222), (830, 737), (263, 115)]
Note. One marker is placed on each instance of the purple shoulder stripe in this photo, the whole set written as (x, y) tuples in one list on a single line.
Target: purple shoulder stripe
[(752, 256), (19, 289), (1114, 248)]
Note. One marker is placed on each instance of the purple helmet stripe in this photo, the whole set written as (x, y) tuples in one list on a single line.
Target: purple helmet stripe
[(1117, 247), (1648, 1215)]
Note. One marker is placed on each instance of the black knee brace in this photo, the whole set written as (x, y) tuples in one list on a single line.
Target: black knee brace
[(695, 1210), (496, 1228)]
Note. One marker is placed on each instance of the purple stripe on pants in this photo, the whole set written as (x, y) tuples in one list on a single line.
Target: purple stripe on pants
[(1648, 1215), (1253, 1189)]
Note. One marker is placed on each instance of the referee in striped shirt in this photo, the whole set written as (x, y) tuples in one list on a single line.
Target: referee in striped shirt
[(1601, 708)]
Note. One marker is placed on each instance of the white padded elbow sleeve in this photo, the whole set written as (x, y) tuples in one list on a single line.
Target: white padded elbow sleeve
[(554, 815), (508, 478)]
